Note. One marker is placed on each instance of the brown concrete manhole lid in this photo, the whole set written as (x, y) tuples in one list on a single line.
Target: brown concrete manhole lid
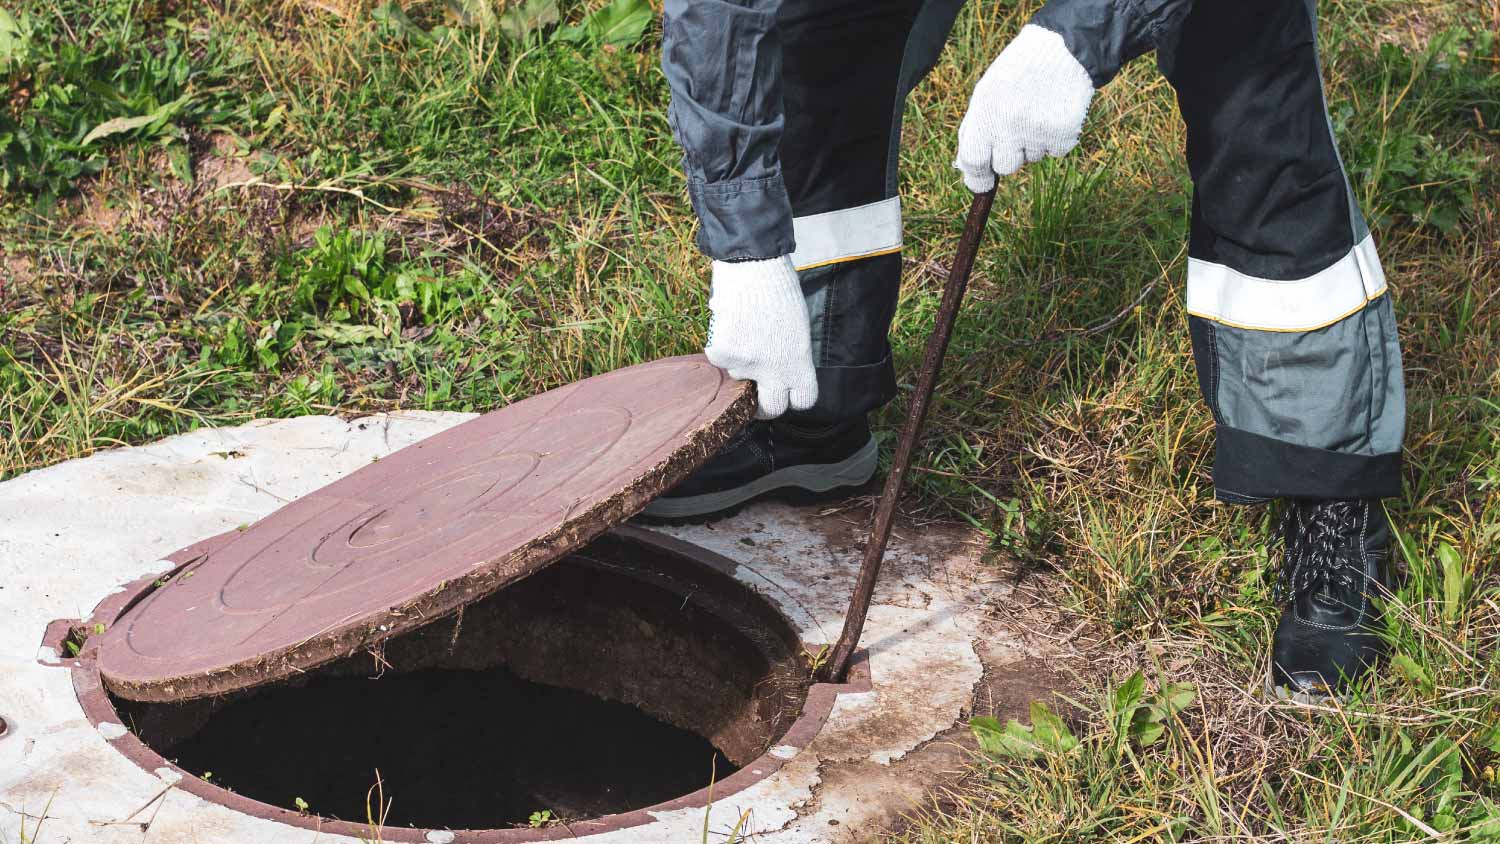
[(421, 533)]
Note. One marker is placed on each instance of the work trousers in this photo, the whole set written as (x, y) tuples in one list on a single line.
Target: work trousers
[(1292, 329)]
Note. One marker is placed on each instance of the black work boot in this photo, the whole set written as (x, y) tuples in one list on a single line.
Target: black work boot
[(778, 459), (1337, 559)]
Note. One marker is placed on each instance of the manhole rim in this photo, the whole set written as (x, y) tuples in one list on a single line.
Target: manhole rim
[(88, 687)]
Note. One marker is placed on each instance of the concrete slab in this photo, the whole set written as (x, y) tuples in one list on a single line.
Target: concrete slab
[(72, 534)]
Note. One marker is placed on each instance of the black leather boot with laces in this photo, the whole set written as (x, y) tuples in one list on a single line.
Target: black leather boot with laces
[(1335, 569)]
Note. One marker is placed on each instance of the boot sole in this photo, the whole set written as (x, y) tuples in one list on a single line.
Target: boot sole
[(814, 481), (1277, 691)]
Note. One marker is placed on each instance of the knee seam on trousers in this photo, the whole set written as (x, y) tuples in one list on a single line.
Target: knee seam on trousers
[(1213, 349)]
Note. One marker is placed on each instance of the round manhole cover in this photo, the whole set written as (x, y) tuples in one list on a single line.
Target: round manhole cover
[(422, 532)]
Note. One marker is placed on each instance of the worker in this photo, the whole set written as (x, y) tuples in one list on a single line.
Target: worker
[(789, 113)]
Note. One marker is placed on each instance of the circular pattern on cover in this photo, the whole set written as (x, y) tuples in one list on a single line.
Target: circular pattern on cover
[(420, 533)]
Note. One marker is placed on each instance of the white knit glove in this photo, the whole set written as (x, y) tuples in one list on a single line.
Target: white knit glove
[(1030, 103), (759, 332)]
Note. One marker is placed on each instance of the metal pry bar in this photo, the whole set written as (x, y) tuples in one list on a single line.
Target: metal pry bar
[(837, 665)]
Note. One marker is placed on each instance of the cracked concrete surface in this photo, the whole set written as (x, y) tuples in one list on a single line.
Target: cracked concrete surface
[(73, 533)]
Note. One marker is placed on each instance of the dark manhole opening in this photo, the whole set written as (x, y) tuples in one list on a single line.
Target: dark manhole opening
[(453, 748), (626, 675)]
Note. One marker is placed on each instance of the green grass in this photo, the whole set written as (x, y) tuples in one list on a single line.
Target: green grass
[(314, 206)]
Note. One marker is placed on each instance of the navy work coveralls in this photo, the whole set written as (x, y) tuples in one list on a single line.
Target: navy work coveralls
[(789, 112)]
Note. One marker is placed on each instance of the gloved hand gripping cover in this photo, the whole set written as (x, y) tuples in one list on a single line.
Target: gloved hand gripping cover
[(759, 332)]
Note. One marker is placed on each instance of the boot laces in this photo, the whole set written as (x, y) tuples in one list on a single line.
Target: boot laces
[(1317, 535)]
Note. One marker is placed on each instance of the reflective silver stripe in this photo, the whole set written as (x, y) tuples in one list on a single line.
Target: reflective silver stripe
[(1226, 295), (848, 233)]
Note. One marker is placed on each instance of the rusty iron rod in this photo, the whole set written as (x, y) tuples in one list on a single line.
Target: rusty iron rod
[(837, 664)]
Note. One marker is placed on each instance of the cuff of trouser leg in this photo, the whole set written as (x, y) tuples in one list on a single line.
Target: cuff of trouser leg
[(745, 220), (845, 392), (1250, 467)]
